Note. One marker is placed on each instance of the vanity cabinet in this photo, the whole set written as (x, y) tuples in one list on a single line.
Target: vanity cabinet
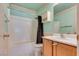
[(47, 47), (60, 49), (52, 48)]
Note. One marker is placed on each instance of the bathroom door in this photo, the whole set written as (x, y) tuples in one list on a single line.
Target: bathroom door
[(20, 42), (3, 41)]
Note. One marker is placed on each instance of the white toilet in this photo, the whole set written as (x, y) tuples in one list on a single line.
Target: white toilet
[(38, 49)]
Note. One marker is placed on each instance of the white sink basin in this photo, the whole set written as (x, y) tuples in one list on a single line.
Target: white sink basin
[(65, 38), (71, 40)]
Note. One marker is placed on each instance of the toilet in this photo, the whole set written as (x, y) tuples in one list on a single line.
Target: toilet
[(38, 49)]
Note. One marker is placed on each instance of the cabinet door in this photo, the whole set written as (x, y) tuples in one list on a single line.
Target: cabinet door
[(47, 47), (54, 46), (65, 50)]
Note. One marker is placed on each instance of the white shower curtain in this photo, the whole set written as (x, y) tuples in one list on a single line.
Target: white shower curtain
[(23, 33)]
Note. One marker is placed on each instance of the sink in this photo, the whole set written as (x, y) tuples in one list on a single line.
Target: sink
[(66, 37), (71, 39)]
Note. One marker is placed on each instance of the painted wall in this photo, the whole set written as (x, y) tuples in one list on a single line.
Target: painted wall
[(13, 11), (21, 11), (48, 26), (6, 17), (67, 20), (62, 6), (17, 12)]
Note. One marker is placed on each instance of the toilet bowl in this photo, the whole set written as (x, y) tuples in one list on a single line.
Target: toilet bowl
[(38, 49)]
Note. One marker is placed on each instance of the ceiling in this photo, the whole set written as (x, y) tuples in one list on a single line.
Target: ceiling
[(36, 6), (32, 6)]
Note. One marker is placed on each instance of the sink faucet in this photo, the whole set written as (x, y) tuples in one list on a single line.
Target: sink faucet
[(62, 36)]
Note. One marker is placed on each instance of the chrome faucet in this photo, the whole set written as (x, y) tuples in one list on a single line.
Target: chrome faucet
[(62, 36)]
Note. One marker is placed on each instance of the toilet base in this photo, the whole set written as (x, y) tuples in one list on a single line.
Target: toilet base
[(38, 49)]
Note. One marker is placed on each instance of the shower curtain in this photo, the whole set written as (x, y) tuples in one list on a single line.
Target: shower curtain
[(22, 36), (40, 30)]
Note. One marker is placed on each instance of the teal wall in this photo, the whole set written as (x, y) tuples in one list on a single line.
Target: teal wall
[(48, 26), (62, 6), (16, 12), (66, 20), (20, 13)]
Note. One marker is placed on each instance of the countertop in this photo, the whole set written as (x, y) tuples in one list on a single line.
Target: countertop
[(72, 42)]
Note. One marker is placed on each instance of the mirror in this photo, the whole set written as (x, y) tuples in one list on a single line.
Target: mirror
[(64, 13)]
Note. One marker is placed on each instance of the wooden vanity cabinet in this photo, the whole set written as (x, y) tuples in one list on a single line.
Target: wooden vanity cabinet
[(60, 49), (51, 48), (47, 47)]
